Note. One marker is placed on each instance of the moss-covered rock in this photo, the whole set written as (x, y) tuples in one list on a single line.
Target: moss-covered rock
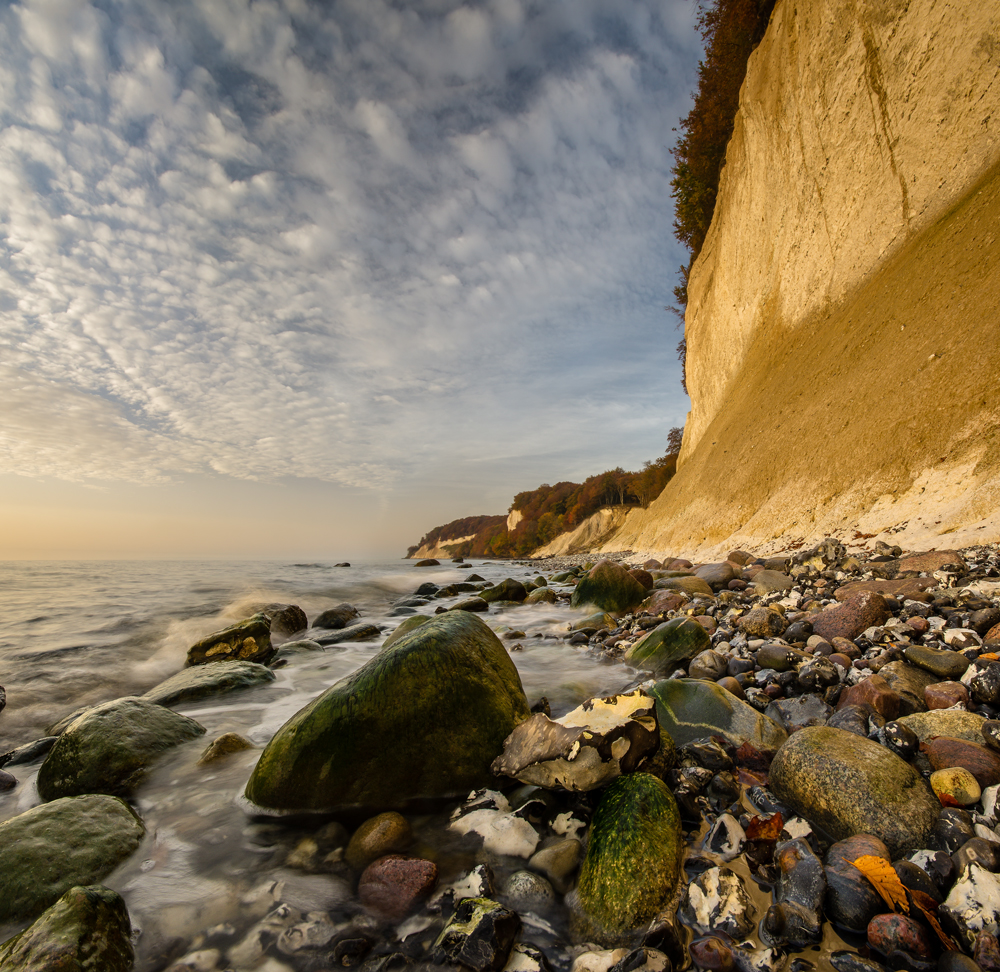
[(686, 584), (542, 595), (248, 640), (206, 680), (690, 709), (424, 718), (668, 645), (86, 930), (405, 627), (507, 590), (608, 586), (633, 856), (49, 849), (109, 748)]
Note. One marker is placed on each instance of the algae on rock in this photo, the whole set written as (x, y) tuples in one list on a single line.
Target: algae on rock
[(424, 718)]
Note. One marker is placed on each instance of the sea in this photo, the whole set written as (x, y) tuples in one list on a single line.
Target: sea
[(77, 633)]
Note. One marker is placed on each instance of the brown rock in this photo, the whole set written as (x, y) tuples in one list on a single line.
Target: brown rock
[(643, 577), (762, 622), (943, 695), (393, 885), (707, 622), (652, 564), (946, 751), (930, 561), (224, 745), (660, 602), (987, 952), (992, 637), (679, 565), (852, 617), (874, 691), (376, 837), (739, 557), (732, 686), (909, 683), (860, 845), (846, 647), (904, 588), (898, 933)]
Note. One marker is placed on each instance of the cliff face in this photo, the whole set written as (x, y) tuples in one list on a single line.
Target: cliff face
[(843, 325)]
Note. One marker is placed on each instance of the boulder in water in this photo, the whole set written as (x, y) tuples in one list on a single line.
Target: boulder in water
[(248, 640), (424, 718), (53, 847), (205, 680), (337, 617), (109, 748), (668, 645), (507, 590), (608, 586)]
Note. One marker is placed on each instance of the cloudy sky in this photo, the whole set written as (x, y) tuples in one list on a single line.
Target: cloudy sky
[(281, 278)]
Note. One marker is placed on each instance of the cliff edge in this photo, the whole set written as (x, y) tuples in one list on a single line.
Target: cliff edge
[(843, 324)]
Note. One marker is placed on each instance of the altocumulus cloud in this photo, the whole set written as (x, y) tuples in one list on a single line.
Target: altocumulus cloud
[(329, 240)]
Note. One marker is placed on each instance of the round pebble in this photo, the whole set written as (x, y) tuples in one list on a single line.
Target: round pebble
[(955, 787), (376, 837)]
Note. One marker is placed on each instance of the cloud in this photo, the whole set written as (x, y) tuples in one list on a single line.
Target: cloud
[(351, 242)]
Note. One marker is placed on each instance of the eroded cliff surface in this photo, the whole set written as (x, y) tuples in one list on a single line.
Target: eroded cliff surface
[(843, 324)]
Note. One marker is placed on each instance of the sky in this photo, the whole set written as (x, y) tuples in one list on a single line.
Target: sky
[(293, 279)]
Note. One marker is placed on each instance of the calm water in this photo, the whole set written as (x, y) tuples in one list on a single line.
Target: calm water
[(79, 633)]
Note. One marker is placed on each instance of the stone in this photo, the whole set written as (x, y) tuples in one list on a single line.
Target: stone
[(428, 562), (668, 645), (955, 787), (599, 960), (110, 747), (762, 622), (992, 636), (849, 619), (717, 576), (927, 563), (376, 837), (286, 619), (474, 603), (849, 785), (363, 631), (506, 590), (636, 830), (943, 664), (909, 683), (643, 960), (224, 745), (586, 748), (488, 814), (663, 602), (51, 848), (946, 751), (945, 722), (541, 595), (850, 901), (479, 936), (797, 713), (818, 674), (393, 885), (983, 681), (593, 622), (944, 695), (644, 577), (29, 752), (404, 628), (609, 587), (891, 934), (558, 862), (87, 929), (689, 585), (794, 919), (203, 681), (708, 664), (688, 709), (779, 657), (768, 581), (717, 901), (900, 589), (424, 718), (851, 718), (248, 640), (340, 616), (525, 891), (973, 903)]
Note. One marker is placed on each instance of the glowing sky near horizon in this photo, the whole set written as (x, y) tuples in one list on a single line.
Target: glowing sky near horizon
[(302, 279)]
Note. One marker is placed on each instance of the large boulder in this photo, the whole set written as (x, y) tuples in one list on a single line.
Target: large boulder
[(633, 857), (608, 586), (87, 929), (849, 785), (668, 645), (337, 617), (206, 680), (424, 718), (286, 619), (690, 709), (248, 640), (109, 748), (507, 590), (51, 848), (686, 585), (860, 611)]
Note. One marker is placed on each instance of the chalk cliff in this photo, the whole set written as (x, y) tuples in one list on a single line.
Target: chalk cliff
[(843, 324)]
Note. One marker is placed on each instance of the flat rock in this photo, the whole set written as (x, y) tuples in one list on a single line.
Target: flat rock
[(908, 682), (51, 848), (861, 611), (668, 645), (337, 617), (768, 581), (944, 752), (948, 665), (849, 785), (363, 631), (586, 748), (799, 712), (874, 691), (689, 709), (927, 563), (202, 681), (87, 929), (393, 885), (248, 640), (687, 585), (903, 588), (109, 748)]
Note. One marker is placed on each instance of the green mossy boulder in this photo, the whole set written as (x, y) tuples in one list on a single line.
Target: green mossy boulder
[(248, 640), (668, 645), (686, 584), (608, 586), (507, 590), (689, 709), (49, 849), (424, 718), (207, 680), (633, 857), (109, 748), (86, 930), (405, 627), (542, 595)]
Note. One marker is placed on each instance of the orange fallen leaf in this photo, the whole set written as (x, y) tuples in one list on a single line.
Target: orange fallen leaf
[(884, 879), (928, 908), (765, 828)]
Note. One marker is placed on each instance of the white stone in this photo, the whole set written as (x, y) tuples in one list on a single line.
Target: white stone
[(502, 833), (717, 901), (961, 638), (598, 961), (206, 960), (974, 902)]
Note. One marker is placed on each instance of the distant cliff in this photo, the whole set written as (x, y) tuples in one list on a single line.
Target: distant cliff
[(844, 312)]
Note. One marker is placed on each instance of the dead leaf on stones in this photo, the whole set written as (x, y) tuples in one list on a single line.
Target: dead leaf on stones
[(766, 828)]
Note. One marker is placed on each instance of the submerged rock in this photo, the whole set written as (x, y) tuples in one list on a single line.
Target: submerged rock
[(110, 747), (633, 856), (587, 748), (87, 929), (336, 617), (608, 586), (850, 785), (49, 849), (668, 645), (717, 901), (424, 718), (479, 936), (202, 681), (248, 640)]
